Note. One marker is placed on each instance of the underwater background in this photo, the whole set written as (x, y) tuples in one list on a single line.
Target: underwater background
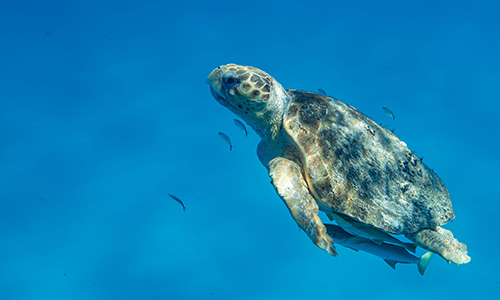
[(104, 112)]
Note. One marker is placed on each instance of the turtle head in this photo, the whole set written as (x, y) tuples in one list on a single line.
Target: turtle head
[(252, 94)]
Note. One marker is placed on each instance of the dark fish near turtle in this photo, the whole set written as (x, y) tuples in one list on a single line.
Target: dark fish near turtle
[(178, 200), (241, 126), (226, 139), (388, 112)]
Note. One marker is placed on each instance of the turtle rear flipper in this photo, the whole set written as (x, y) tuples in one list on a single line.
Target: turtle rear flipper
[(442, 242), (290, 185)]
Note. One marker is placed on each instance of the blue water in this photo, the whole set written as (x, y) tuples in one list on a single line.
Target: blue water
[(104, 112)]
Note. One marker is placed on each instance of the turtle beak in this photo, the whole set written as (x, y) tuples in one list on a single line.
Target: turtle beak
[(218, 97), (214, 80)]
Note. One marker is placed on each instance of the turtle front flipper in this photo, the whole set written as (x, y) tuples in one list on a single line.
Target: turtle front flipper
[(291, 186), (442, 242)]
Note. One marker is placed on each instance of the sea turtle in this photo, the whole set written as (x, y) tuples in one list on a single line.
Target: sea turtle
[(323, 154)]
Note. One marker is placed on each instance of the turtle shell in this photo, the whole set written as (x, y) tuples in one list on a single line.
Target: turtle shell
[(356, 167)]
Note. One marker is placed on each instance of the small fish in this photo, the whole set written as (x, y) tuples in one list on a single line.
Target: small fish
[(390, 253), (388, 112), (241, 126), (178, 200), (322, 92), (226, 139)]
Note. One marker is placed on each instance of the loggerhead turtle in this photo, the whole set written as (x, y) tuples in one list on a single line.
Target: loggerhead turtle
[(323, 154)]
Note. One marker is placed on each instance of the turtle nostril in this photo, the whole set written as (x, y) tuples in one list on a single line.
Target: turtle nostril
[(229, 82)]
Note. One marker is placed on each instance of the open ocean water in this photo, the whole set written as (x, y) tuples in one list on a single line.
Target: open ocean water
[(104, 111)]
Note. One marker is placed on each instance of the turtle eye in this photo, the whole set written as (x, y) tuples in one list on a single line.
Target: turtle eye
[(229, 82)]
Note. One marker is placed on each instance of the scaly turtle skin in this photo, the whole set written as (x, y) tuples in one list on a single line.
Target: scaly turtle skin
[(323, 154)]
